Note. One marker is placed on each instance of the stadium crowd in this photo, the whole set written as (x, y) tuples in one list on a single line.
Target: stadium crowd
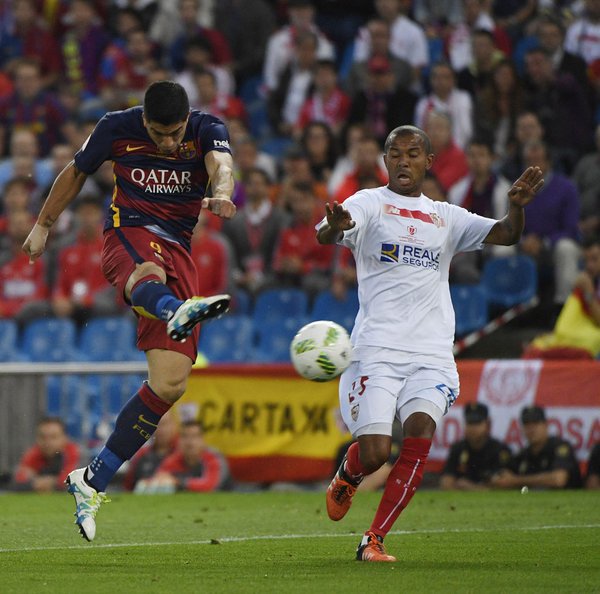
[(308, 90)]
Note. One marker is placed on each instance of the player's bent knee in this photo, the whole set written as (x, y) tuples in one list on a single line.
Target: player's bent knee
[(170, 390), (142, 270)]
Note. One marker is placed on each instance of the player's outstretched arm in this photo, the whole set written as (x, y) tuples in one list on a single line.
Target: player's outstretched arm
[(507, 231), (220, 170), (338, 221), (64, 190)]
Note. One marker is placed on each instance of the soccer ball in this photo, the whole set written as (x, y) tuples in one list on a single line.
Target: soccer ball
[(321, 351)]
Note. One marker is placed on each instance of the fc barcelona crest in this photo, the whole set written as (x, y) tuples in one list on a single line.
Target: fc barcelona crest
[(187, 150)]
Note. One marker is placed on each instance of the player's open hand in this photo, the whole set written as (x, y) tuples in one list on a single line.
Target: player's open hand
[(526, 187), (35, 244), (222, 207), (338, 217)]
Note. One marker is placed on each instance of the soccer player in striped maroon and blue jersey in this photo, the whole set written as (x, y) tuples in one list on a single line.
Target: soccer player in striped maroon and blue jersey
[(164, 158)]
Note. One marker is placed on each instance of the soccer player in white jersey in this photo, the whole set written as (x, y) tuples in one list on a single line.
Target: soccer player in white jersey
[(402, 362)]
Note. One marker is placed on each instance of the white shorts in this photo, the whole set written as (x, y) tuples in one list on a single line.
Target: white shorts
[(373, 394)]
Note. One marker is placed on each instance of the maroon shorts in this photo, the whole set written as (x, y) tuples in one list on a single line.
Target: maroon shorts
[(127, 246)]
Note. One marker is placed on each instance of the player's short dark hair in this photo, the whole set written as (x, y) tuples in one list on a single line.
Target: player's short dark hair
[(166, 103), (406, 131)]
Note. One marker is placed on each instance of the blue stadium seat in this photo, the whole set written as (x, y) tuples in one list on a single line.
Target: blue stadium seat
[(227, 340), (108, 339), (278, 304), (510, 280), (327, 307), (9, 348), (241, 302), (276, 146), (470, 308), (51, 340), (274, 338)]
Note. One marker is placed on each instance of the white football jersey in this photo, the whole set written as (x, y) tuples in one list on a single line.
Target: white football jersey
[(403, 247)]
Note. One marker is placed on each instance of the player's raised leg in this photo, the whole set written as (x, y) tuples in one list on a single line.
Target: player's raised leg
[(135, 424)]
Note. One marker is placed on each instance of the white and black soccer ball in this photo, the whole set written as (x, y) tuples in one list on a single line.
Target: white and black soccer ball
[(321, 351)]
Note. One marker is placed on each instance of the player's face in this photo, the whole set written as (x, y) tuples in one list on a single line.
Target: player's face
[(166, 138), (406, 162)]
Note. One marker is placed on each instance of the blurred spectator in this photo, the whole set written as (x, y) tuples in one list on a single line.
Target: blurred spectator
[(45, 465), (513, 15), (477, 76), (81, 291), (284, 45), (193, 466), (367, 166), (583, 35), (299, 260), (83, 46), (123, 74), (248, 157), (434, 15), (576, 334), (28, 37), (450, 162), (562, 107), (358, 77), (344, 273), (472, 461), (550, 32), (254, 232), (319, 143), (407, 38), (293, 84), (16, 196), (192, 29), (29, 106), (296, 168), (147, 460), (477, 15), (528, 128), (546, 462), (586, 176), (198, 57), (211, 256), (247, 26), (345, 163), (327, 103), (446, 97), (497, 108), (432, 188), (24, 143), (23, 287), (210, 100), (145, 9), (382, 105), (592, 480), (551, 224)]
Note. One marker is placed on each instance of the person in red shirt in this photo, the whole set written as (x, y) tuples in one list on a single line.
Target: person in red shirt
[(194, 466), (45, 465), (450, 163), (23, 287), (211, 101), (81, 291), (299, 259), (211, 256)]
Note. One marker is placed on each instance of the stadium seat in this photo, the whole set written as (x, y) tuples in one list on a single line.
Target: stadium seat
[(241, 303), (227, 340), (51, 340), (274, 338), (470, 308), (9, 350), (343, 312), (276, 146), (278, 304), (510, 280), (108, 339)]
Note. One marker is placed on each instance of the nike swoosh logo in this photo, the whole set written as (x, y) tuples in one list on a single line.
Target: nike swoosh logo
[(141, 419), (129, 149)]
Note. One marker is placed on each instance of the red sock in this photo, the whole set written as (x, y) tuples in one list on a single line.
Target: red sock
[(354, 469), (405, 477)]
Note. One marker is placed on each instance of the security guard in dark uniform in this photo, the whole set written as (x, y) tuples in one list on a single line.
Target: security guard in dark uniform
[(592, 480), (546, 462), (473, 460)]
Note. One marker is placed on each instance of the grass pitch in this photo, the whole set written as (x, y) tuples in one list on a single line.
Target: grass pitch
[(284, 543)]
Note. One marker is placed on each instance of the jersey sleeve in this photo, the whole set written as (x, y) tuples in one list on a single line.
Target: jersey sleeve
[(97, 148), (468, 230), (360, 208), (214, 137)]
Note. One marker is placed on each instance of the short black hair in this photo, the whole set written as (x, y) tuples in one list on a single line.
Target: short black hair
[(405, 131), (166, 103)]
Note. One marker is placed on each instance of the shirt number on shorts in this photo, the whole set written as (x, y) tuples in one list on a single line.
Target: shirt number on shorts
[(362, 386)]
